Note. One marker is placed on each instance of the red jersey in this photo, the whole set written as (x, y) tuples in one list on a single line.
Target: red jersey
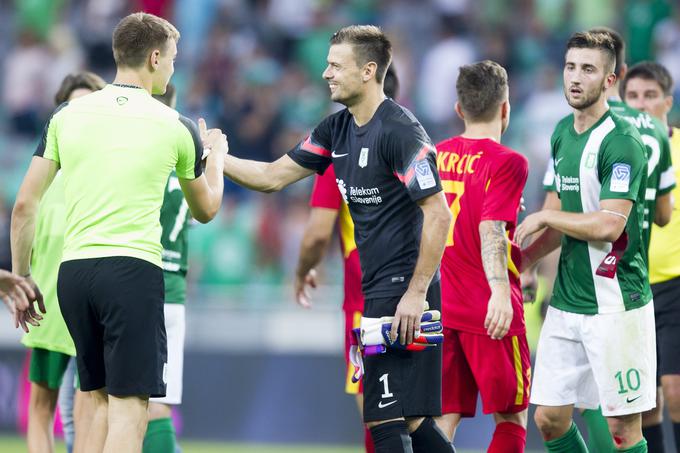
[(482, 180), (327, 195)]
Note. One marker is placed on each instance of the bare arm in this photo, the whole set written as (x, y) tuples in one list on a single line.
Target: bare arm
[(604, 225), (315, 240), (38, 178), (264, 176), (494, 244), (436, 221), (552, 201), (547, 242), (664, 209)]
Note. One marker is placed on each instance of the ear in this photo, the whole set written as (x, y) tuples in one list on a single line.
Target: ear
[(369, 71), (668, 102), (459, 111), (505, 109), (610, 80), (154, 58)]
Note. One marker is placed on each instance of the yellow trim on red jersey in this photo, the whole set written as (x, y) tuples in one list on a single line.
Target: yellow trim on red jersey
[(519, 396), (353, 388), (346, 231)]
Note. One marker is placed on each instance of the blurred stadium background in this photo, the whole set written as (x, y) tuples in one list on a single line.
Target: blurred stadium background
[(258, 369)]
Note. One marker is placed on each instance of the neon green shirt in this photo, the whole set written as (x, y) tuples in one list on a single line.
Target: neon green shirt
[(45, 259), (116, 148)]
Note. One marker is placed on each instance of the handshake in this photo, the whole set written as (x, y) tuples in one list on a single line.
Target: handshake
[(373, 337)]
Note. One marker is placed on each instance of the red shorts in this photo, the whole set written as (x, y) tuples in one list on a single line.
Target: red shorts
[(352, 320), (500, 370)]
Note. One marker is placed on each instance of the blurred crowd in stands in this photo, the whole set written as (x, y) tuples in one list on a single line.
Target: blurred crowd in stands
[(253, 68)]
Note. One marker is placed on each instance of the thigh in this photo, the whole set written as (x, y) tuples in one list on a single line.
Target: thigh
[(621, 348), (501, 369), (48, 367), (562, 375), (83, 321), (175, 326), (129, 294), (459, 389), (402, 383)]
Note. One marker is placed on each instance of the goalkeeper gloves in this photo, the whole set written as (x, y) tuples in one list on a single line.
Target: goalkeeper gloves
[(373, 337)]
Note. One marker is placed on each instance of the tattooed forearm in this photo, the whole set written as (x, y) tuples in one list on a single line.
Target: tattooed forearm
[(494, 252)]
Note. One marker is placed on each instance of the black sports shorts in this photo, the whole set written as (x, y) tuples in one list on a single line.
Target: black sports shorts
[(402, 383), (667, 318), (113, 308)]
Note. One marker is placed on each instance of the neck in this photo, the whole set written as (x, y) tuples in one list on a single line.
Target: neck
[(127, 76), (491, 130), (584, 119), (364, 110)]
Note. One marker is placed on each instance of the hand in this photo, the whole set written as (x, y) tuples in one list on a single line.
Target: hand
[(407, 317), (213, 140), (529, 280), (532, 223), (15, 288), (29, 315), (498, 316), (302, 283)]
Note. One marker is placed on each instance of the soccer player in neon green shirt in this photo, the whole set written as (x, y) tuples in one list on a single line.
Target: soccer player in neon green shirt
[(52, 346), (597, 344), (116, 149)]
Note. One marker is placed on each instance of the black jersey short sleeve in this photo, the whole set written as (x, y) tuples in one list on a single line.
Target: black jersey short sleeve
[(314, 152), (47, 147), (413, 159), (190, 150)]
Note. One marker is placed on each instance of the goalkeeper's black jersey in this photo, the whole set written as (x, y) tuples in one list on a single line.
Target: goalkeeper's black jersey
[(382, 169)]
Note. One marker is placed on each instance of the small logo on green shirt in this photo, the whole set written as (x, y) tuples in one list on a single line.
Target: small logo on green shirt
[(121, 100)]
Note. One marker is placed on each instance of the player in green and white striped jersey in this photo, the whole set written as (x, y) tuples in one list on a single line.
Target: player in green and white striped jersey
[(597, 344), (658, 207)]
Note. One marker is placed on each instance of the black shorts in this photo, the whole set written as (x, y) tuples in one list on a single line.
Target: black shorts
[(402, 383), (113, 308), (667, 318)]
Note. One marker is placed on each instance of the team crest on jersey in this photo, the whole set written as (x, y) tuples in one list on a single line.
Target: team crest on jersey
[(121, 100), (424, 175), (363, 157), (620, 178), (342, 187)]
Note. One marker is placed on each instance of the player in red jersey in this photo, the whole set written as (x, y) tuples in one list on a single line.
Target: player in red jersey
[(328, 209), (485, 347)]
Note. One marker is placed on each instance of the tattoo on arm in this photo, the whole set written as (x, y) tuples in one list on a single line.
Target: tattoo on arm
[(494, 251)]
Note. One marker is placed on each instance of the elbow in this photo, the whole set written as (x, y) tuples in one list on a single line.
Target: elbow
[(612, 232), (23, 207), (662, 220)]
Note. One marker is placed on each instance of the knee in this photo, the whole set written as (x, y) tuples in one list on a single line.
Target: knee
[(551, 424), (671, 394), (518, 418), (625, 430), (652, 417), (43, 399)]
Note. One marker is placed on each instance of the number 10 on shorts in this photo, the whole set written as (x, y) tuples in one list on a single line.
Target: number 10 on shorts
[(630, 381)]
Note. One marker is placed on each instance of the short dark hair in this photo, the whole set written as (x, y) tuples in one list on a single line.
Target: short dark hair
[(481, 88), (72, 82), (599, 41), (650, 70), (391, 85), (369, 44), (169, 97), (138, 34), (619, 46)]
